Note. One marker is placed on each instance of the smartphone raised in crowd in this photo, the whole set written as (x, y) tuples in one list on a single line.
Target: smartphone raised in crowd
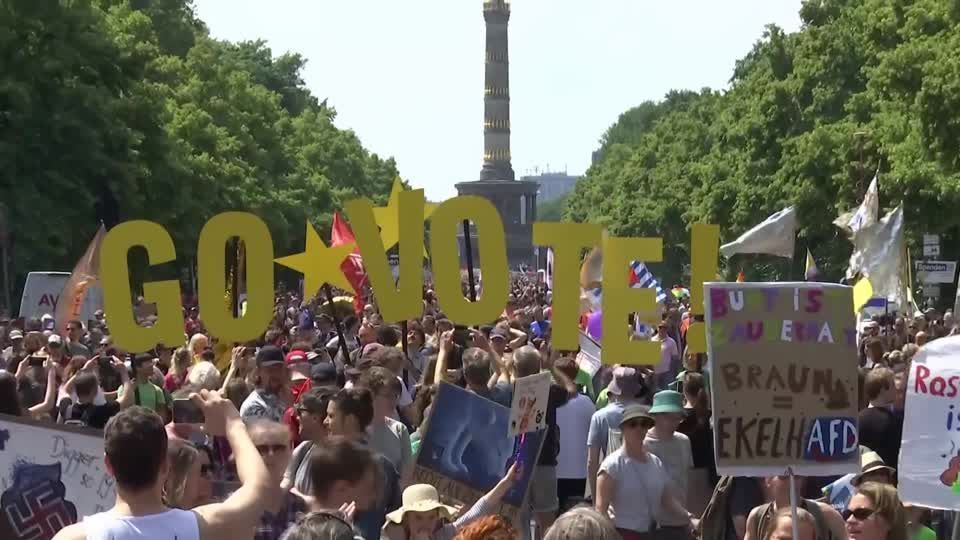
[(186, 411), (36, 361)]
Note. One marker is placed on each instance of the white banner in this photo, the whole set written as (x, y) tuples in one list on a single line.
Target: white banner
[(52, 476), (929, 472), (936, 271)]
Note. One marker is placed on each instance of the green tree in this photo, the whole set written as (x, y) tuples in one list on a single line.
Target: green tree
[(808, 119), (127, 109)]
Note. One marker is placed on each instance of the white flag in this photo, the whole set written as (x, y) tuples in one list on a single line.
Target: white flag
[(869, 211), (775, 236), (878, 254)]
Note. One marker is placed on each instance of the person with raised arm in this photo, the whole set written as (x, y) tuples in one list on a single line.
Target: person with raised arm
[(135, 448)]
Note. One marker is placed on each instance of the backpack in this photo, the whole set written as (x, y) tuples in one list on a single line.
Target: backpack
[(713, 522), (766, 513)]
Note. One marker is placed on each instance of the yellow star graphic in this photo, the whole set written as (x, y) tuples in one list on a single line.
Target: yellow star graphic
[(388, 217), (318, 263)]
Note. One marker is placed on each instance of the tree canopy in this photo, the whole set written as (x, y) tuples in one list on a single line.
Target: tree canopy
[(128, 109), (864, 86)]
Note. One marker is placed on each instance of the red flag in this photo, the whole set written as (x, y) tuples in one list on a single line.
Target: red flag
[(352, 266)]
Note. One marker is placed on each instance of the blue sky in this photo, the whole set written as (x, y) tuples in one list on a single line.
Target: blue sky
[(407, 77)]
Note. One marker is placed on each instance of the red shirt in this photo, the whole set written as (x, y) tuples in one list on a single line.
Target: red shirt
[(171, 383)]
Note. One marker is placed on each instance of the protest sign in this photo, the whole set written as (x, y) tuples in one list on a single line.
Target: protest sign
[(466, 450), (930, 450), (588, 359), (784, 378), (52, 476), (528, 410)]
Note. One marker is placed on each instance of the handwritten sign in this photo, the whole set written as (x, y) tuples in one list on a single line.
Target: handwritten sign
[(51, 476), (930, 451), (466, 450), (784, 378), (528, 410)]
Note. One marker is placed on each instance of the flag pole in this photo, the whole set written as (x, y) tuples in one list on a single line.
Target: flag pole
[(337, 324)]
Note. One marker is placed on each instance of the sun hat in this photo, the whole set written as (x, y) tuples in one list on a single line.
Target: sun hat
[(15, 334), (637, 411), (871, 461), (420, 498), (667, 401)]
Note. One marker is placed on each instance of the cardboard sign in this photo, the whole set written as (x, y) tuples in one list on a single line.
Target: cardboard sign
[(528, 410), (589, 357), (783, 378), (52, 476), (466, 450), (930, 451)]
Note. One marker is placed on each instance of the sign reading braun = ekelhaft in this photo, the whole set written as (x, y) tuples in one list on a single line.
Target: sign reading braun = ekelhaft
[(784, 378)]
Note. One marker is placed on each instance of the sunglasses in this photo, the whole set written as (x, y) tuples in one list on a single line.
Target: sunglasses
[(860, 514), (267, 449)]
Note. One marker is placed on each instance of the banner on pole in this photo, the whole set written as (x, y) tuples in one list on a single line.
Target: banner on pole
[(783, 378)]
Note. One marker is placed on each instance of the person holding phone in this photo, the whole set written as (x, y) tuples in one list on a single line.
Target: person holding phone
[(142, 392), (135, 448), (9, 396)]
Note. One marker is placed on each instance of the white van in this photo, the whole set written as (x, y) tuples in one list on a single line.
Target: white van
[(42, 291)]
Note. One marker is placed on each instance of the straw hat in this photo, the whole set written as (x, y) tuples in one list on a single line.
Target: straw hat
[(871, 462), (421, 498)]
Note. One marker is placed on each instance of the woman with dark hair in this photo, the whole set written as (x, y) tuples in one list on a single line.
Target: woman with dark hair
[(326, 525), (696, 426), (10, 397)]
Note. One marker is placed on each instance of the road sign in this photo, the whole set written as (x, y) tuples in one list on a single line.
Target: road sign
[(931, 250), (936, 271)]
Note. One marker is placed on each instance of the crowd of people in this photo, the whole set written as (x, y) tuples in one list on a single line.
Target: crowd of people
[(301, 436)]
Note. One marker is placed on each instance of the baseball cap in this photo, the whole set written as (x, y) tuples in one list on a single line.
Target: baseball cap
[(269, 356), (15, 334), (323, 372), (637, 411), (295, 357), (498, 333), (625, 382), (55, 339)]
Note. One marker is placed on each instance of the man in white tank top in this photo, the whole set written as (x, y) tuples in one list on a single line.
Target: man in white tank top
[(135, 448)]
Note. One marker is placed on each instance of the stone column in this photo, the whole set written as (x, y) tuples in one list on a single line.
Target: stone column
[(496, 98)]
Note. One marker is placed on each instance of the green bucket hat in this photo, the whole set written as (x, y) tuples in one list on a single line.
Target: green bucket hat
[(667, 401)]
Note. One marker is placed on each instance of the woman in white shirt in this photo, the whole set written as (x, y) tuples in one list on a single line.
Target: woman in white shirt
[(632, 484)]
